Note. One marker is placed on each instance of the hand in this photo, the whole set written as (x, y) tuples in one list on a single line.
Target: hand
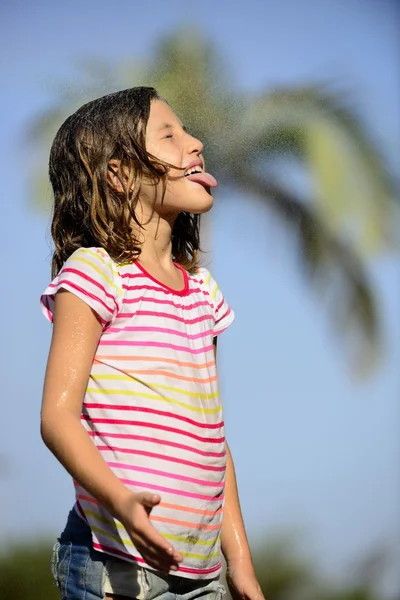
[(242, 580), (156, 551)]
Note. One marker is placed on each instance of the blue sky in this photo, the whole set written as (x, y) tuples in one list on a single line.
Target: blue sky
[(315, 451)]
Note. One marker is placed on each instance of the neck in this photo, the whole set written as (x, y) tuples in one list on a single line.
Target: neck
[(155, 237)]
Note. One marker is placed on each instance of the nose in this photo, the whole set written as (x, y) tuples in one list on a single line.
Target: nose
[(194, 145)]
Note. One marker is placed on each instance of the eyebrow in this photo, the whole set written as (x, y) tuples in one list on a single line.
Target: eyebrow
[(169, 126)]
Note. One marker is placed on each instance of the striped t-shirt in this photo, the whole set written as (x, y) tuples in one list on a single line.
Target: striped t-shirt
[(152, 405)]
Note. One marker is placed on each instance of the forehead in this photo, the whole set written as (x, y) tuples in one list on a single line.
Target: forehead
[(161, 115)]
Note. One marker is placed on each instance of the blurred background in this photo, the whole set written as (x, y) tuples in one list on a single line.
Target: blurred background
[(298, 106)]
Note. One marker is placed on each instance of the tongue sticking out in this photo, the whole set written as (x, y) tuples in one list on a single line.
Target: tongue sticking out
[(203, 178)]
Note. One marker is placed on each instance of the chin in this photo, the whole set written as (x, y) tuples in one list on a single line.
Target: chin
[(205, 208), (201, 202), (197, 204), (198, 208)]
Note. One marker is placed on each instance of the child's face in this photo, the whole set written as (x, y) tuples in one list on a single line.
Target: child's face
[(167, 140)]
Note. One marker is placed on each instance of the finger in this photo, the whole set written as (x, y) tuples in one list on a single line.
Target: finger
[(166, 558), (153, 539), (157, 560), (162, 554), (148, 500), (178, 558)]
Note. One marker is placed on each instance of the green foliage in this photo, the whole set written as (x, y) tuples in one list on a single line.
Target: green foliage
[(352, 594), (283, 573), (25, 573)]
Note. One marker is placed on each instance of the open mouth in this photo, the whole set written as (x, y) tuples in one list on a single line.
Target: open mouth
[(193, 170), (196, 174)]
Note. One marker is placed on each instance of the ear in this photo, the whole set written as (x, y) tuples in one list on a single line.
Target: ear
[(114, 175)]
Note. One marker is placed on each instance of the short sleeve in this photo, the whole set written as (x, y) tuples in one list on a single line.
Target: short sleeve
[(223, 314), (90, 274)]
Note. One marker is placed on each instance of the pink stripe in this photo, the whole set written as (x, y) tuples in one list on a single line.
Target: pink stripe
[(197, 279), (153, 426), (145, 287), (93, 281), (116, 552), (139, 559), (168, 458), (200, 571), (199, 282), (143, 438), (87, 498), (168, 302), (46, 305), (84, 292), (156, 345), (161, 488), (166, 474), (133, 275), (131, 288), (162, 330), (223, 316), (182, 292), (153, 411), (219, 305), (152, 313)]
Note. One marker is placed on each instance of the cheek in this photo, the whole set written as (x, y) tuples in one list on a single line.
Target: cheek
[(173, 193), (174, 188), (165, 152)]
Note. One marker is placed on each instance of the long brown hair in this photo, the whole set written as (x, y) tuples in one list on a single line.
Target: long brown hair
[(88, 211)]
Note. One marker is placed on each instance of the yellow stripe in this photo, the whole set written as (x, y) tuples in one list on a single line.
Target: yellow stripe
[(117, 524), (151, 397), (207, 279), (99, 271), (156, 386), (116, 538), (128, 542), (214, 291), (181, 538), (200, 556), (100, 256)]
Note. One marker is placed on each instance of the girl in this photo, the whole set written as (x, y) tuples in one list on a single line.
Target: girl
[(130, 403)]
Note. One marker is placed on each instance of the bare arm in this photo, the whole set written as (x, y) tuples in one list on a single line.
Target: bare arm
[(76, 333), (240, 573), (235, 545)]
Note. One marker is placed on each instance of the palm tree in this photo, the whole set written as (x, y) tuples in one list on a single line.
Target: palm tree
[(342, 213)]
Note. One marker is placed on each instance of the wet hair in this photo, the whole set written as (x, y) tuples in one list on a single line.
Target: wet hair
[(88, 210)]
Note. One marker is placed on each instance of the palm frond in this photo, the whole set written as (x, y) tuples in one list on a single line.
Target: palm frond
[(331, 265), (354, 190)]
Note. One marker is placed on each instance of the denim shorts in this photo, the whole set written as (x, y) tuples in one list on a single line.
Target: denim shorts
[(82, 573)]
